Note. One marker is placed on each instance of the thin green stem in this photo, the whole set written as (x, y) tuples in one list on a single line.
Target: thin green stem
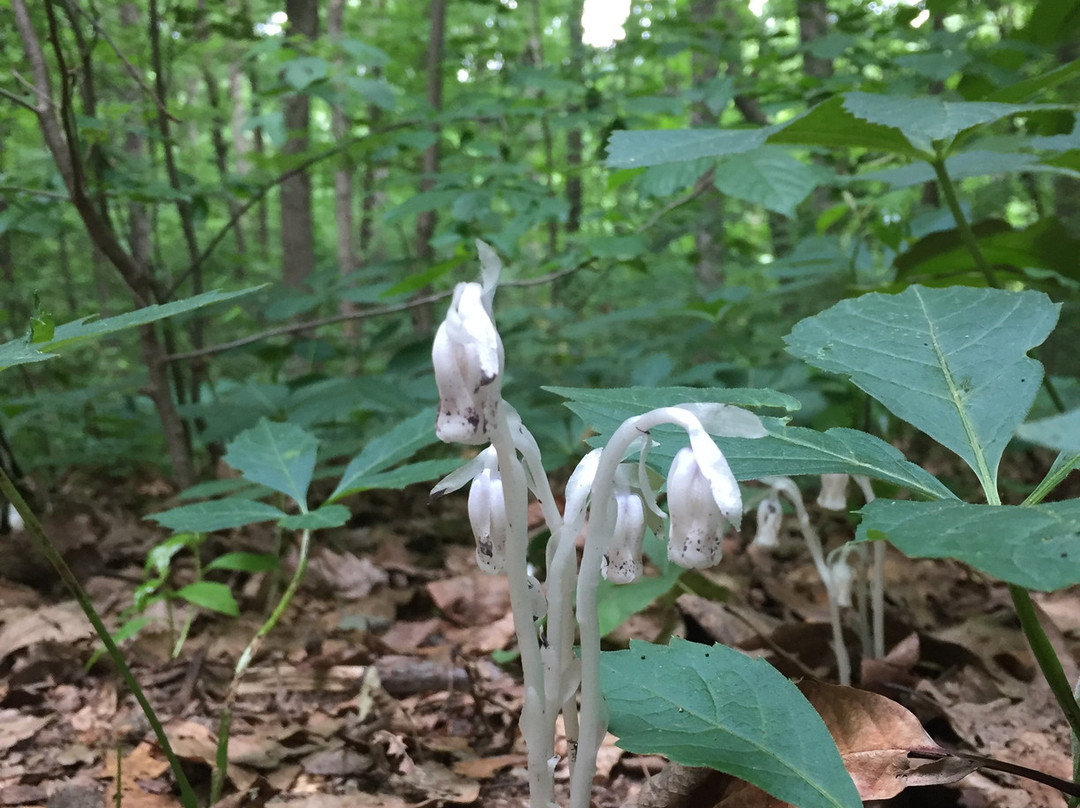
[(52, 555), (1046, 656), (217, 779), (966, 234)]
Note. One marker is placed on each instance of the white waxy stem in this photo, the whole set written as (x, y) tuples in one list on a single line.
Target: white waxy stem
[(536, 598), (622, 558), (697, 523), (833, 495), (770, 515), (468, 358), (487, 515)]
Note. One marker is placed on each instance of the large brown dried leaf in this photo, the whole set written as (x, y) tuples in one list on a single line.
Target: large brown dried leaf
[(874, 735)]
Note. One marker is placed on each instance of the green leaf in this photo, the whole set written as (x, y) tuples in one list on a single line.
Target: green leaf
[(20, 351), (794, 450), (278, 455), (1061, 432), (218, 514), (420, 203), (324, 517), (1046, 244), (1023, 90), (397, 444), (925, 119), (402, 476), (375, 91), (786, 450), (770, 177), (655, 147), (950, 362), (959, 166), (210, 595), (711, 706), (829, 124), (1036, 547), (244, 562), (302, 72)]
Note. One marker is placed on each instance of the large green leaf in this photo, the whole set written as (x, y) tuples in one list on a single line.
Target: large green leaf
[(278, 455), (218, 514), (925, 119), (1061, 432), (770, 177), (830, 124), (21, 351), (951, 362), (395, 445), (711, 706), (784, 450), (1035, 547), (653, 148)]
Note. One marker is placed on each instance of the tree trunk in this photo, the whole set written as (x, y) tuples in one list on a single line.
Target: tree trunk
[(343, 181), (704, 68), (297, 223), (56, 122), (574, 142), (429, 164)]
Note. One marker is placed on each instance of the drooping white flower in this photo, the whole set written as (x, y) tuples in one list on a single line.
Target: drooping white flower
[(487, 515), (703, 497), (839, 583), (833, 495), (622, 558), (468, 358), (770, 515)]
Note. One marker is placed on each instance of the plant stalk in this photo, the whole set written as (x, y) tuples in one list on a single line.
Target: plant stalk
[(966, 234), (52, 555)]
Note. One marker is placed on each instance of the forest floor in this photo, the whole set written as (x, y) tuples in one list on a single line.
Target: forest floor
[(379, 690)]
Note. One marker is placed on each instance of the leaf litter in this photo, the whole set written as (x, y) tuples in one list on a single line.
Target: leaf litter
[(379, 690)]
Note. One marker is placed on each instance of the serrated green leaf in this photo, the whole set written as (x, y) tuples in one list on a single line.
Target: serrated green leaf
[(829, 124), (951, 362), (20, 351), (925, 119), (1061, 432), (1036, 547), (210, 595), (402, 476), (324, 517), (278, 455), (711, 706), (784, 450), (397, 444), (218, 514), (656, 147), (770, 177), (244, 562)]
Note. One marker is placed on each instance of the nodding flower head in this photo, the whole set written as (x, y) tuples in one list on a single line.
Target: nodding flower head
[(468, 359), (703, 497), (622, 559), (770, 515), (833, 494), (487, 515)]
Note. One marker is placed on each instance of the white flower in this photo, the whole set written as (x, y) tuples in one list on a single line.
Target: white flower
[(487, 515), (839, 583), (622, 559), (468, 357), (702, 497), (833, 495), (770, 515)]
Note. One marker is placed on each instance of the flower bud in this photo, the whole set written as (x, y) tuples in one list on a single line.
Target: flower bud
[(468, 358), (840, 582), (487, 515), (697, 523), (770, 515), (833, 495), (622, 559)]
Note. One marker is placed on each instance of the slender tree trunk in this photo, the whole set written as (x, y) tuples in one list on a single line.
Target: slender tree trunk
[(297, 223), (574, 141), (704, 68), (56, 123), (343, 181), (429, 164)]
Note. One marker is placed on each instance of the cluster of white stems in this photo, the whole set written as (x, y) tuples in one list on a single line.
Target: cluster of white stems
[(613, 496)]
